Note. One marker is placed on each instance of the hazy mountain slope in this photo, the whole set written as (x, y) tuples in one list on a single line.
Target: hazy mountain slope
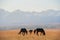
[(19, 17)]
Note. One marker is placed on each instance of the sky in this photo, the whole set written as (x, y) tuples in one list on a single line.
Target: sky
[(30, 5)]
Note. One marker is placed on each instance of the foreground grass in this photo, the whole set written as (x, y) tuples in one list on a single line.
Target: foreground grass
[(51, 34)]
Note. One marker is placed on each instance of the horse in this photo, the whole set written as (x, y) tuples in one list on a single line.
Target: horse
[(39, 30), (23, 31), (30, 31)]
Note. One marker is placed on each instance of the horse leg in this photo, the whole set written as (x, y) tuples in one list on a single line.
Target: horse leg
[(41, 33), (23, 34), (37, 33), (44, 33), (34, 32)]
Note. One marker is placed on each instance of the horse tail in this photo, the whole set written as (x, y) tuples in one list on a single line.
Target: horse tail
[(26, 32)]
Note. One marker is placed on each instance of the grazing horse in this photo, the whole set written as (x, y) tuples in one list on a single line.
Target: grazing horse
[(39, 30), (23, 31), (30, 31)]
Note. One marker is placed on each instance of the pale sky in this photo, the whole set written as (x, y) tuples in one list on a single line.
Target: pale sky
[(30, 5)]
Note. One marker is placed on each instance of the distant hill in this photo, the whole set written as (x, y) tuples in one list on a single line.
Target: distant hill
[(19, 17)]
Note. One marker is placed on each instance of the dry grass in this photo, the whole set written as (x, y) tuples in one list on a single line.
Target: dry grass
[(51, 34)]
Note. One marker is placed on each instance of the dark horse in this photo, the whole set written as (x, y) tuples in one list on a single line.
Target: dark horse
[(23, 31), (39, 30), (30, 31)]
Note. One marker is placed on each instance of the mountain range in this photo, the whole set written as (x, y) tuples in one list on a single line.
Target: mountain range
[(19, 17)]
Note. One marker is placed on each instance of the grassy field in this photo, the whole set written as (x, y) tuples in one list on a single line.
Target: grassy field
[(51, 34)]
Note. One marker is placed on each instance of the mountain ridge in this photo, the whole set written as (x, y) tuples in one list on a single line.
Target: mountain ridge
[(20, 17)]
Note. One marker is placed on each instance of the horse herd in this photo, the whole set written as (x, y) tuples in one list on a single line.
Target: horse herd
[(24, 31)]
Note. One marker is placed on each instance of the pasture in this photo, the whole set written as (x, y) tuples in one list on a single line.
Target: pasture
[(51, 34)]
